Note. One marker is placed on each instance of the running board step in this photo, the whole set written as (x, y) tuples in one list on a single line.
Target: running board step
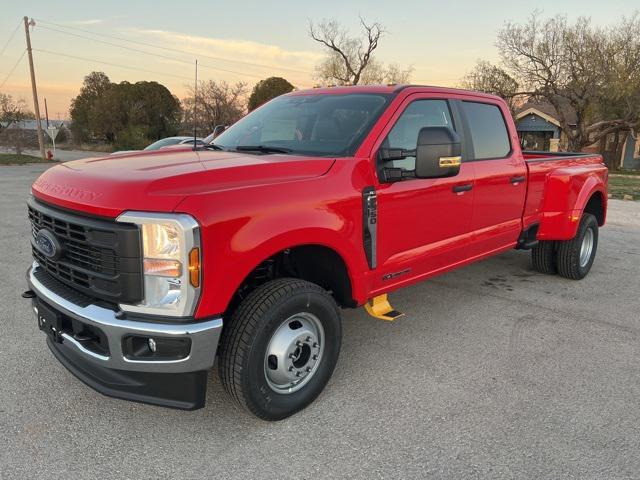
[(528, 238), (380, 308)]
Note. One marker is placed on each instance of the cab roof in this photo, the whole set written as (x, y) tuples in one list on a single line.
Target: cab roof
[(390, 88)]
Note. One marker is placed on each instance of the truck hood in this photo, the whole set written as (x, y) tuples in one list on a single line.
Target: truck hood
[(159, 181)]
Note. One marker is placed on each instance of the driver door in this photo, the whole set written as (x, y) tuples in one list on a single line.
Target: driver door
[(423, 224)]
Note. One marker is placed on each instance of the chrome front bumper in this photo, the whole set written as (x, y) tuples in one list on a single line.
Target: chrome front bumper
[(204, 335)]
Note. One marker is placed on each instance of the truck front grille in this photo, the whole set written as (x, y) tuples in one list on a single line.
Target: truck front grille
[(59, 288), (73, 237), (100, 258)]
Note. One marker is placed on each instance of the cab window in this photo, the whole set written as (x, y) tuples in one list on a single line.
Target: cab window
[(488, 130), (404, 134)]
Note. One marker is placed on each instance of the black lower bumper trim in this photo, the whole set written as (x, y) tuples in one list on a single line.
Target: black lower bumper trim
[(185, 391)]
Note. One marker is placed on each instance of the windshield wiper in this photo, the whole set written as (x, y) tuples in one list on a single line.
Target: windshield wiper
[(262, 148), (211, 146)]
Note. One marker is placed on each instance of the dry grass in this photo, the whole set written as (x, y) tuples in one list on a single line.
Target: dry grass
[(14, 159)]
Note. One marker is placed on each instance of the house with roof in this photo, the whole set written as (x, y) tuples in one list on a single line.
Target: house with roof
[(32, 125), (539, 129), (25, 133)]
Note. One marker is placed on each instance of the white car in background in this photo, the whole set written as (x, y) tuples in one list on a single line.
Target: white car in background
[(165, 142)]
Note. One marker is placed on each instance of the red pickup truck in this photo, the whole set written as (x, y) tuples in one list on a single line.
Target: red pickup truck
[(149, 266)]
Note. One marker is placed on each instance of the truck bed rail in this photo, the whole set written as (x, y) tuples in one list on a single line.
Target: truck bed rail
[(542, 156)]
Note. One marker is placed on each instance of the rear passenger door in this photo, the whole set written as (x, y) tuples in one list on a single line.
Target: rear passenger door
[(500, 177)]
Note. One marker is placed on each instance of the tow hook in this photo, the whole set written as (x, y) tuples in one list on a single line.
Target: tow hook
[(28, 294), (56, 336), (82, 337)]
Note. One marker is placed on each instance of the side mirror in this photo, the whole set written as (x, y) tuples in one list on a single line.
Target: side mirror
[(438, 153), (218, 130)]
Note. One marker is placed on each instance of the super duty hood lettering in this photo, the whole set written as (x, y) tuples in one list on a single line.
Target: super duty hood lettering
[(65, 190)]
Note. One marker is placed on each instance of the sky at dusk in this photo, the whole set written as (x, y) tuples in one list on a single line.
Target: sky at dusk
[(250, 40)]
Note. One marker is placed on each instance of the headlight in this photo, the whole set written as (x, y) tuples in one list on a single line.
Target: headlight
[(171, 263)]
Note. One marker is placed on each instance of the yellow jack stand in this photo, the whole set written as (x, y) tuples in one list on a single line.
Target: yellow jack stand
[(380, 308)]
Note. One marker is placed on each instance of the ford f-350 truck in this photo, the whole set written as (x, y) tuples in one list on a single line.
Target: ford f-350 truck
[(149, 266)]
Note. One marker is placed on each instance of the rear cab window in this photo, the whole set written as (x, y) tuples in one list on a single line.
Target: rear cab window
[(488, 130)]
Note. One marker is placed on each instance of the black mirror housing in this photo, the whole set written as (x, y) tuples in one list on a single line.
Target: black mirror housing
[(438, 153), (218, 130)]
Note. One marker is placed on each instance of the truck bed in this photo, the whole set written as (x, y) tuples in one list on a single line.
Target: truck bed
[(563, 174)]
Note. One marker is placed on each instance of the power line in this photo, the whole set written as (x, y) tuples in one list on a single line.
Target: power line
[(146, 44), (149, 53), (13, 68), (10, 38), (111, 64)]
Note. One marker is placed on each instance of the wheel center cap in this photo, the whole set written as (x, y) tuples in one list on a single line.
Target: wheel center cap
[(297, 353), (301, 355), (294, 353)]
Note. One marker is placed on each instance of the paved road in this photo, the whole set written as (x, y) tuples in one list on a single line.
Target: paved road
[(495, 372)]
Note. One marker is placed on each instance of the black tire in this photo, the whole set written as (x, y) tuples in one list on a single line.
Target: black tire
[(568, 255), (543, 257), (247, 336)]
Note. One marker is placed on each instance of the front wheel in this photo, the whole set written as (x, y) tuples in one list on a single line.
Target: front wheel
[(575, 257), (280, 348)]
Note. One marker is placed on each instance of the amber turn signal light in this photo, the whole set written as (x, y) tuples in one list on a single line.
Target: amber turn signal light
[(194, 267)]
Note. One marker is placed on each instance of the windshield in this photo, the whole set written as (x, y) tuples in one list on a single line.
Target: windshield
[(324, 125)]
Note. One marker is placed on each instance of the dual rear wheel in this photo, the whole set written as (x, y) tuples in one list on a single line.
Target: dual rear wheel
[(570, 258)]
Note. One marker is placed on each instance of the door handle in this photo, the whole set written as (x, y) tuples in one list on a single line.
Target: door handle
[(462, 188), (518, 179)]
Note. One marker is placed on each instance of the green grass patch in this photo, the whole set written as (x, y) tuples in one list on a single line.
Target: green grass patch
[(625, 172), (620, 185), (14, 159)]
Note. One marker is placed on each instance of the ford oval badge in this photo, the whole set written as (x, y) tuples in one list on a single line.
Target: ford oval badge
[(48, 244)]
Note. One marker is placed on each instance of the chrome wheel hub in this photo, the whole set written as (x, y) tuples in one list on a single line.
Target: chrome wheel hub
[(294, 353), (586, 248)]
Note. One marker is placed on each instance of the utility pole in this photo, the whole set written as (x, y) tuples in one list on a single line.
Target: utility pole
[(36, 107)]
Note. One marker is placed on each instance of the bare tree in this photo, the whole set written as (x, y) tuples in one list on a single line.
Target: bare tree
[(617, 107), (378, 73), (555, 61), (492, 79), (579, 69), (586, 73), (219, 103), (350, 59), (12, 112)]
